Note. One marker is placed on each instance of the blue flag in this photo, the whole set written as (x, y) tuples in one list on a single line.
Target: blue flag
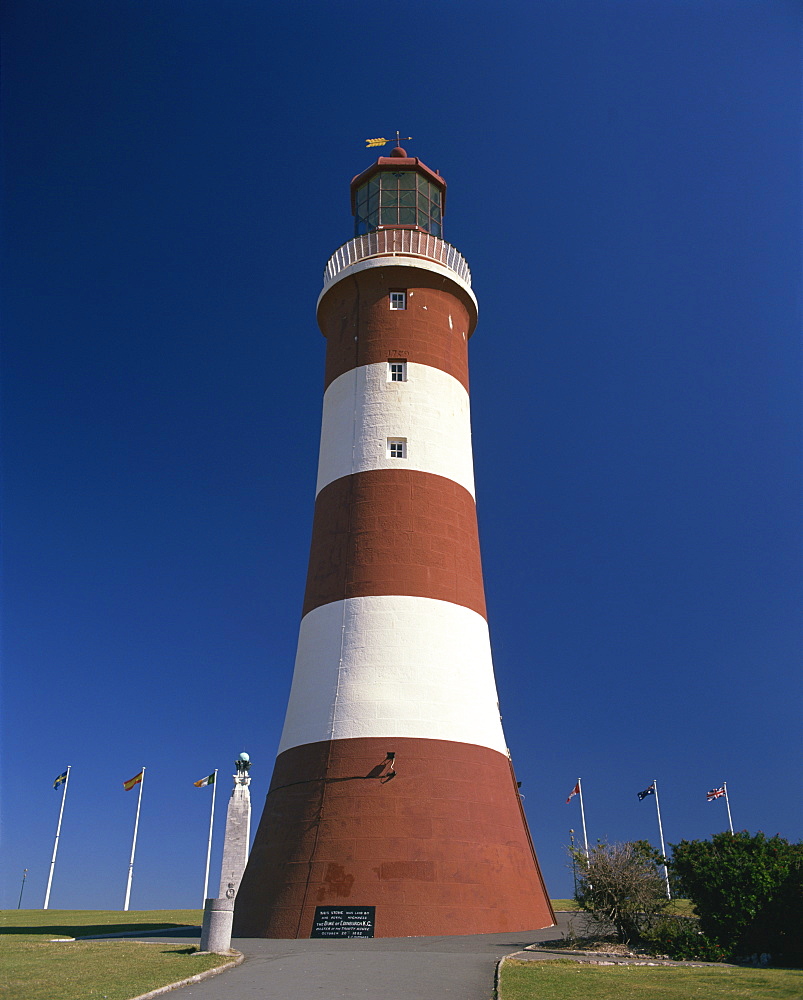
[(646, 792), (58, 781)]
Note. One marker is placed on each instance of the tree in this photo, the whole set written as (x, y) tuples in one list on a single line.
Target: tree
[(747, 891), (620, 886)]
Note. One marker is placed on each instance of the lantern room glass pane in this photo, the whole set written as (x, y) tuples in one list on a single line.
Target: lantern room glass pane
[(401, 197)]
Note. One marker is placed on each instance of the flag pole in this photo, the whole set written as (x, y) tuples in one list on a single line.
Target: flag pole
[(56, 842), (22, 887), (583, 816), (209, 845), (134, 844), (661, 835), (727, 803)]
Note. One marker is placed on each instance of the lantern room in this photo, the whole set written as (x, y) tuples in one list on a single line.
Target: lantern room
[(398, 191)]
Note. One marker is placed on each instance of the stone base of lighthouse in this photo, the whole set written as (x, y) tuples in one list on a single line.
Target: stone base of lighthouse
[(433, 837)]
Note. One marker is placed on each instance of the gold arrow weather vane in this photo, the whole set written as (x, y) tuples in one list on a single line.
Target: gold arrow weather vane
[(381, 142)]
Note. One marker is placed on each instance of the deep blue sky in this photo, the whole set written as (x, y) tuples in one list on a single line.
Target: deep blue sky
[(624, 180)]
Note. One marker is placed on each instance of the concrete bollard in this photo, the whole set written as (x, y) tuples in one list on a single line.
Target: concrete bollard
[(216, 929)]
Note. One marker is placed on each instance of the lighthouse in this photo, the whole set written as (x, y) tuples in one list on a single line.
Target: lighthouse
[(393, 809)]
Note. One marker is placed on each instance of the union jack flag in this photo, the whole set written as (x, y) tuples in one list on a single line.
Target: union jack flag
[(715, 793)]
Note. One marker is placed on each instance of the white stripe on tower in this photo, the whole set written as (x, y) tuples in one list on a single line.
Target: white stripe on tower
[(393, 666), (430, 410)]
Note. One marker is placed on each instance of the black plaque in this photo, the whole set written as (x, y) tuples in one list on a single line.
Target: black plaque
[(344, 922)]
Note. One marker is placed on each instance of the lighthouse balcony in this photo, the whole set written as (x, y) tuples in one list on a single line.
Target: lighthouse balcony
[(397, 243)]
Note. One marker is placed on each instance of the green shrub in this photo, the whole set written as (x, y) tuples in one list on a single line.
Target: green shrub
[(747, 891), (778, 927), (681, 938)]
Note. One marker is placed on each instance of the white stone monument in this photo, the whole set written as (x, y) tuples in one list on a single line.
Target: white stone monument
[(238, 831), (219, 913)]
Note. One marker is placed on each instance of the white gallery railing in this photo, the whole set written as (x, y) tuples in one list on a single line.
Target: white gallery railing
[(397, 242)]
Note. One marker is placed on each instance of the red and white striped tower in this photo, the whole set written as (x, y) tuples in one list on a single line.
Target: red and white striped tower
[(393, 786)]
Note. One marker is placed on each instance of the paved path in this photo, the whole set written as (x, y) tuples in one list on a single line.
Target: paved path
[(431, 968)]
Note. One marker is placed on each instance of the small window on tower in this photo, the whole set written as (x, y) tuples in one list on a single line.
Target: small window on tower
[(398, 300), (397, 371), (397, 447)]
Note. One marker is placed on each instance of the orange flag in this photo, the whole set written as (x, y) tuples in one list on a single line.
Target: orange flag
[(128, 785)]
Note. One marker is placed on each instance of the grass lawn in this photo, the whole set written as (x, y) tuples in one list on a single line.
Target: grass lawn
[(679, 907), (566, 980), (34, 968)]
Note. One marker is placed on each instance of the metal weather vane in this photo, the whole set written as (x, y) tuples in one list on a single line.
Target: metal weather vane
[(381, 142)]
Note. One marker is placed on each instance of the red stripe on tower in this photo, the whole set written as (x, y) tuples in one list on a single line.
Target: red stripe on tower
[(393, 791)]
